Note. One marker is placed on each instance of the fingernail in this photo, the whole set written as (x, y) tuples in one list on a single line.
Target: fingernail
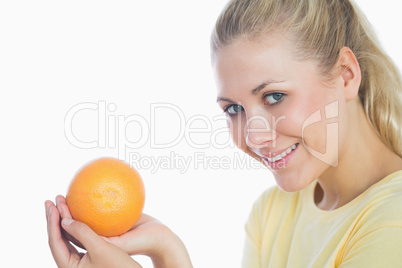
[(57, 200), (59, 208), (67, 221)]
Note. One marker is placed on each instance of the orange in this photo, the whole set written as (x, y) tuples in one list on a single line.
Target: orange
[(107, 195)]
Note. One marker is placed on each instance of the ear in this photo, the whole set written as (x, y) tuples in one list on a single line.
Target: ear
[(350, 72)]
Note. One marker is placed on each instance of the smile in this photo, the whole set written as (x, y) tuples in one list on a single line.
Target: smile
[(282, 155)]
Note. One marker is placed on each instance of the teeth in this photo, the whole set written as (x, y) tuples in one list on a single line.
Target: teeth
[(282, 155)]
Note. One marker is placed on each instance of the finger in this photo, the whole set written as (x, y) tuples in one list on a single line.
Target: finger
[(143, 219), (48, 204), (58, 247), (71, 248), (136, 264), (63, 210), (85, 235), (122, 241), (61, 201), (65, 213), (143, 238), (99, 250)]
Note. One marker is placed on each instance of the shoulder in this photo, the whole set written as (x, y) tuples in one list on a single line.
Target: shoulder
[(382, 205), (376, 234)]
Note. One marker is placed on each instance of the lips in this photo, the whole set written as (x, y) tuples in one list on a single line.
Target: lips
[(282, 155)]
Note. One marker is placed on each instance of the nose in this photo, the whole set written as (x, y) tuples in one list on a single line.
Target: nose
[(259, 132)]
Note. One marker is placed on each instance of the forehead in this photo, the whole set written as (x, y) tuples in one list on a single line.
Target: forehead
[(246, 63)]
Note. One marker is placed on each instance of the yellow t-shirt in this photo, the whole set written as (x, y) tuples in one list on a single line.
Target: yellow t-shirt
[(289, 230)]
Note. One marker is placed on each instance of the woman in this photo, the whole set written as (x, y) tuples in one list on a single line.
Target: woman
[(310, 94)]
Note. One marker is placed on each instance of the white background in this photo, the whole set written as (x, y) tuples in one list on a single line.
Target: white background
[(129, 54)]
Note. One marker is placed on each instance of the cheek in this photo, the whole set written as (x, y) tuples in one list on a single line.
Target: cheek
[(318, 125), (306, 120), (288, 125), (315, 136), (237, 128), (238, 133), (289, 121)]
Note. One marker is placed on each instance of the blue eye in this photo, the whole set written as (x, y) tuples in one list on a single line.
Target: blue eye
[(273, 98), (233, 109)]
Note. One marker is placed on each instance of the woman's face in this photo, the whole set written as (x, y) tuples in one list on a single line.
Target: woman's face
[(280, 111)]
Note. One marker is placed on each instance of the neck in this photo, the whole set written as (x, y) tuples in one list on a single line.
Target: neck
[(364, 161)]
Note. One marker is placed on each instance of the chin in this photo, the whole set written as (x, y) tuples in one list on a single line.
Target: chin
[(290, 189), (289, 183)]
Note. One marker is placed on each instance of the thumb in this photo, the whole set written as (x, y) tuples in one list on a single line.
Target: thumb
[(80, 231)]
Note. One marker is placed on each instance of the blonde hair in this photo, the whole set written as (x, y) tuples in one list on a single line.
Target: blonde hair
[(319, 29)]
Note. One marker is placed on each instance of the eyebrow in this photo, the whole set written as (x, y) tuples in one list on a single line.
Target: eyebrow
[(255, 91), (224, 99)]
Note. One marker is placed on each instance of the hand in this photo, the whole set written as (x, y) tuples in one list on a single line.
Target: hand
[(148, 237), (100, 253), (151, 238)]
